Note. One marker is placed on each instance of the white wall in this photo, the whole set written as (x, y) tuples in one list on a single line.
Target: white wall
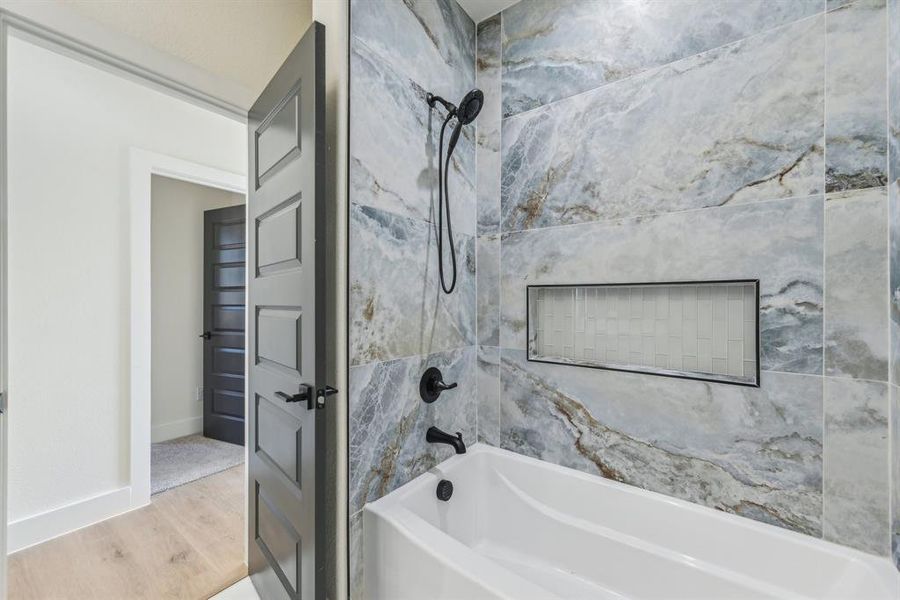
[(70, 129), (177, 301)]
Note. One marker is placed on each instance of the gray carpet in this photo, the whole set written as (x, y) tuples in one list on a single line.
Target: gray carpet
[(182, 460)]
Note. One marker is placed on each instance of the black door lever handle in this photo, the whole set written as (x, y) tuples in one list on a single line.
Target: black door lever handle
[(304, 395), (206, 335)]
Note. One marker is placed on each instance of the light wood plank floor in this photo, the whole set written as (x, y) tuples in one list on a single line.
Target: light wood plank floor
[(189, 543)]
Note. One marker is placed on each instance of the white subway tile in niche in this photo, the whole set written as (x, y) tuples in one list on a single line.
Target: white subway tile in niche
[(699, 330)]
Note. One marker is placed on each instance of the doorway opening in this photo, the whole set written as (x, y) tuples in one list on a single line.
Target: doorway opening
[(198, 257), (89, 391)]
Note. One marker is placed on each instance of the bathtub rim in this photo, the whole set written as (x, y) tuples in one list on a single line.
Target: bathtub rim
[(392, 504)]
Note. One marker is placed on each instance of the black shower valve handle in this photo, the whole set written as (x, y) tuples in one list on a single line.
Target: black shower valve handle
[(432, 385)]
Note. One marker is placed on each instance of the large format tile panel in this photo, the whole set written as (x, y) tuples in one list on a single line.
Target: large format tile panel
[(397, 308), (487, 79), (856, 284), (856, 506), (736, 124), (394, 139), (855, 133), (750, 451), (553, 49), (429, 41), (778, 242), (388, 420)]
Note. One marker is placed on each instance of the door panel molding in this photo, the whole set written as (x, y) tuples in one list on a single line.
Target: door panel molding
[(288, 325), (283, 253), (143, 164), (278, 333)]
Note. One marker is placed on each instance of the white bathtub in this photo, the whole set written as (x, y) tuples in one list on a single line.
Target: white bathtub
[(521, 529)]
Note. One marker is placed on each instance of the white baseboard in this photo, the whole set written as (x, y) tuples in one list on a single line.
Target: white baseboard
[(176, 429), (45, 526)]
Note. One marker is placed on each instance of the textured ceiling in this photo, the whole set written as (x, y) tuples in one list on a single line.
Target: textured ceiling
[(244, 41)]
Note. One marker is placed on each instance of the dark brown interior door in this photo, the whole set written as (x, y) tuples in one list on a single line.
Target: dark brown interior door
[(287, 322), (223, 323)]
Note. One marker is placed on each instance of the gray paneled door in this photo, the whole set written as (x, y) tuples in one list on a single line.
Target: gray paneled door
[(287, 310), (225, 249)]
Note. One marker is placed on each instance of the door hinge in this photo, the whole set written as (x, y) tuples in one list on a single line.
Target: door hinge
[(321, 394)]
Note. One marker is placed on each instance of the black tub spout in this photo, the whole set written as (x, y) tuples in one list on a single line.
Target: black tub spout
[(436, 436)]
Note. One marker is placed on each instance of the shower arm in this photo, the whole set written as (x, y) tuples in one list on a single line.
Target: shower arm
[(431, 99)]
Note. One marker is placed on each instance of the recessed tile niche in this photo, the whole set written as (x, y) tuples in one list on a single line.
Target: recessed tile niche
[(696, 330)]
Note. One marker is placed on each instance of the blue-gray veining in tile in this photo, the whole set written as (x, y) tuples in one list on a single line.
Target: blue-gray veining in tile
[(430, 41), (836, 4), (487, 78), (750, 451), (855, 132), (388, 420), (778, 242), (487, 249), (488, 383), (553, 49), (856, 494), (394, 146), (396, 306), (856, 283), (736, 124)]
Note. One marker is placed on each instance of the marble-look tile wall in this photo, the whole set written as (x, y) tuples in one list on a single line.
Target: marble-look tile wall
[(400, 321), (658, 141)]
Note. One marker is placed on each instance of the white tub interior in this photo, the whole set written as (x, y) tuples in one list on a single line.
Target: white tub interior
[(520, 528)]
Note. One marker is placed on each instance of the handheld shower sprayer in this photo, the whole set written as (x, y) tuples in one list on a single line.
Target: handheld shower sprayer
[(464, 114)]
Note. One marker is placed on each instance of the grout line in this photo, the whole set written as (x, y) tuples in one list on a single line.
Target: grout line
[(477, 327), (893, 503), (890, 400), (650, 69), (499, 174), (824, 265), (411, 356), (624, 219)]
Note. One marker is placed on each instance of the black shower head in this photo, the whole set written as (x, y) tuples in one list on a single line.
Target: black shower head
[(466, 112), (470, 107)]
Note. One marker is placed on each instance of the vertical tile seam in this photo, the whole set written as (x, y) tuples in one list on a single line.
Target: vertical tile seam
[(892, 441), (499, 175), (890, 354), (477, 327), (824, 254)]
